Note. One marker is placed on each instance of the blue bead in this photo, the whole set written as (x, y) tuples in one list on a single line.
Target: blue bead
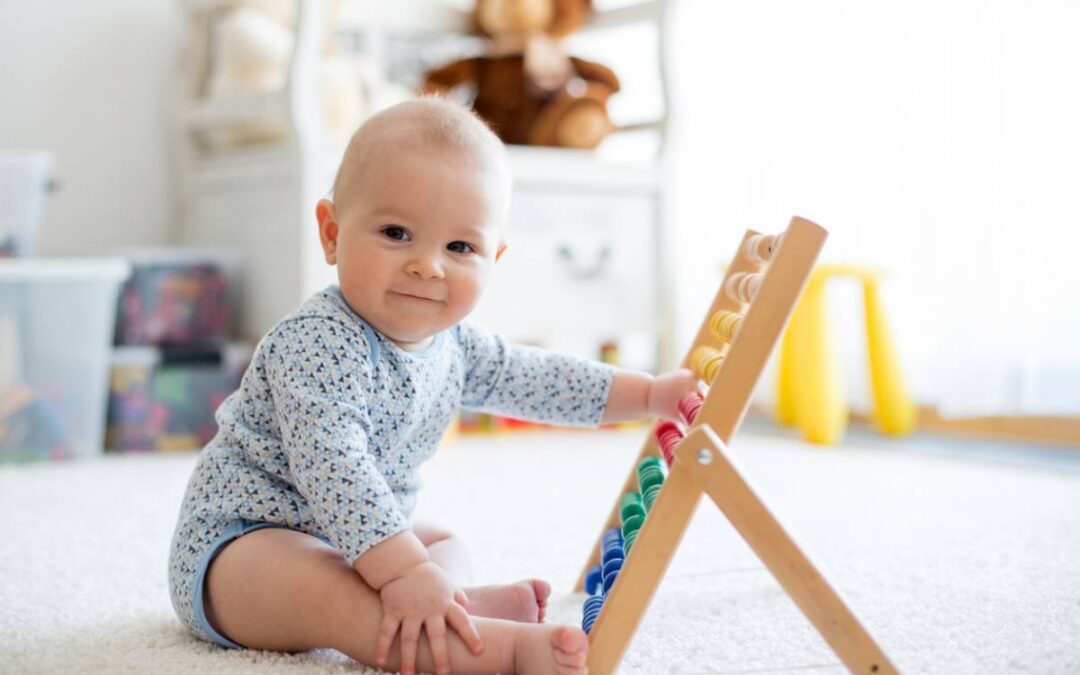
[(611, 554), (593, 578), (611, 567), (609, 581), (613, 535)]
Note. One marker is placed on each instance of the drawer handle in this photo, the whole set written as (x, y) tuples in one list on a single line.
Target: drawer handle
[(581, 269)]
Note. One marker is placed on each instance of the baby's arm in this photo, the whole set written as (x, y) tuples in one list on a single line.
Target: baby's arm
[(416, 594), (635, 395), (535, 384)]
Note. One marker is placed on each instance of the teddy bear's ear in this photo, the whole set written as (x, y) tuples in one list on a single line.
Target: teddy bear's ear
[(569, 16)]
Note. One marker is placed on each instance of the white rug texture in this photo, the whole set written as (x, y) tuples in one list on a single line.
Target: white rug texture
[(955, 566)]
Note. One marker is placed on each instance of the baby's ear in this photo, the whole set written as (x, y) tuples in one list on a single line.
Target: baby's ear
[(328, 229), (500, 251)]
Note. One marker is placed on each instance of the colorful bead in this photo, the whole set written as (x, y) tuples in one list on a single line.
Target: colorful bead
[(632, 524), (592, 610), (689, 406), (632, 508), (650, 496), (707, 361), (611, 571), (743, 286), (725, 325), (761, 247), (593, 579), (668, 435)]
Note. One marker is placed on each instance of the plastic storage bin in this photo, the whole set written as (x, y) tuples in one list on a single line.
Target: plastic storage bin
[(25, 180), (176, 297), (56, 325)]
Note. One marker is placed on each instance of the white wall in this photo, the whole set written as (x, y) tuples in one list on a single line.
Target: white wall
[(935, 139), (88, 81)]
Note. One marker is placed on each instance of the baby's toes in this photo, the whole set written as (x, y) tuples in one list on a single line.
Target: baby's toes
[(542, 589), (571, 650)]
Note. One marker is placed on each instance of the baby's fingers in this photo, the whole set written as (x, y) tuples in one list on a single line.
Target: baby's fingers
[(460, 621), (436, 634), (410, 637), (387, 631)]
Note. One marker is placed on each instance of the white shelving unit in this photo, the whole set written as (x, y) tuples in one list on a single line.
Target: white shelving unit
[(587, 239)]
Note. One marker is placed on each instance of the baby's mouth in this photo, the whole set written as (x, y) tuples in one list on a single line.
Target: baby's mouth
[(415, 296)]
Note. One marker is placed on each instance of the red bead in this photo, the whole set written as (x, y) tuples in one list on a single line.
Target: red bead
[(668, 435), (689, 406)]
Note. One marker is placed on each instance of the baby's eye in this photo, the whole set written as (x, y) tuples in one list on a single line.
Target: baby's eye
[(460, 247), (396, 233)]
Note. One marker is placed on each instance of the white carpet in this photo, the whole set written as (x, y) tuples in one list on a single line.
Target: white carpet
[(955, 566)]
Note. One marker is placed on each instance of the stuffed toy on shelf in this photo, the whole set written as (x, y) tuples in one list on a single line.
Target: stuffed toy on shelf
[(527, 87), (250, 46)]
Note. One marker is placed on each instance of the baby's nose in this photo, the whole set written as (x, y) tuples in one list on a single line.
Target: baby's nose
[(425, 267)]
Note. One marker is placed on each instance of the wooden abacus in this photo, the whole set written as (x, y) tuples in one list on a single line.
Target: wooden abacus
[(749, 311)]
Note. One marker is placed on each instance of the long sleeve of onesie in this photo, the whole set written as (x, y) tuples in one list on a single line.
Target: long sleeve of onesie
[(531, 383), (320, 374)]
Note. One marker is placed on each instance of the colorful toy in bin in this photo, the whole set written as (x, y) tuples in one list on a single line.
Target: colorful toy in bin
[(30, 428), (158, 401), (174, 301)]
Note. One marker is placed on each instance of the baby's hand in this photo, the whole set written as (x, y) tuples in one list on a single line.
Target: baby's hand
[(425, 598), (667, 389)]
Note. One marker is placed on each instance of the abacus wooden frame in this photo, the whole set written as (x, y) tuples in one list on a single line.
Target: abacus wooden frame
[(705, 465)]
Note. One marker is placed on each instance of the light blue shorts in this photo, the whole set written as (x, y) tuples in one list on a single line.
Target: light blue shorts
[(232, 532), (195, 545)]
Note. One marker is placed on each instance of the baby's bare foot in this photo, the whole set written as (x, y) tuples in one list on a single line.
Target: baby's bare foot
[(551, 650), (525, 601)]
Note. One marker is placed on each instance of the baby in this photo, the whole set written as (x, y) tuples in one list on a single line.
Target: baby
[(295, 531)]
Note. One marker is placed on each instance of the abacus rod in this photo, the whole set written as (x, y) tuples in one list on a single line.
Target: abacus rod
[(704, 456), (644, 566), (762, 323), (649, 447), (721, 301), (739, 263)]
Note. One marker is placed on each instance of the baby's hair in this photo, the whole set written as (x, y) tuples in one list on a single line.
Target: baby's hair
[(427, 121)]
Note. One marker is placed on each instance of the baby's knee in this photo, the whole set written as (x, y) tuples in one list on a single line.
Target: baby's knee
[(430, 534)]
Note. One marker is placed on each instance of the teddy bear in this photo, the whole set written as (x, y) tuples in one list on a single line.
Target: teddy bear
[(526, 86)]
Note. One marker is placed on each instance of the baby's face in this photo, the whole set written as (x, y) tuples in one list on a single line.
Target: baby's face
[(417, 239)]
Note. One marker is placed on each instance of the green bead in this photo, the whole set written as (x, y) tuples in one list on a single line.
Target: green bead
[(650, 496), (651, 460), (633, 508), (650, 480)]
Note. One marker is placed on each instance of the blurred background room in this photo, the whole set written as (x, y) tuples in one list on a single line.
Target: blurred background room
[(192, 139), (160, 162)]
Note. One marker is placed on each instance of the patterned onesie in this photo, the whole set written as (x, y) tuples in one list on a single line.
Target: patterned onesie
[(331, 423)]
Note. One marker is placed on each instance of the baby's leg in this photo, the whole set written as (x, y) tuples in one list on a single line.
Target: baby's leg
[(283, 590), (446, 550), (522, 601)]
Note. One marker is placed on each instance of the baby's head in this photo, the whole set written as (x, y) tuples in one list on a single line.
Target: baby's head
[(417, 217)]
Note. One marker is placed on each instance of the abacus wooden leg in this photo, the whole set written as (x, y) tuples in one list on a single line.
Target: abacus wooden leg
[(729, 354), (703, 455)]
